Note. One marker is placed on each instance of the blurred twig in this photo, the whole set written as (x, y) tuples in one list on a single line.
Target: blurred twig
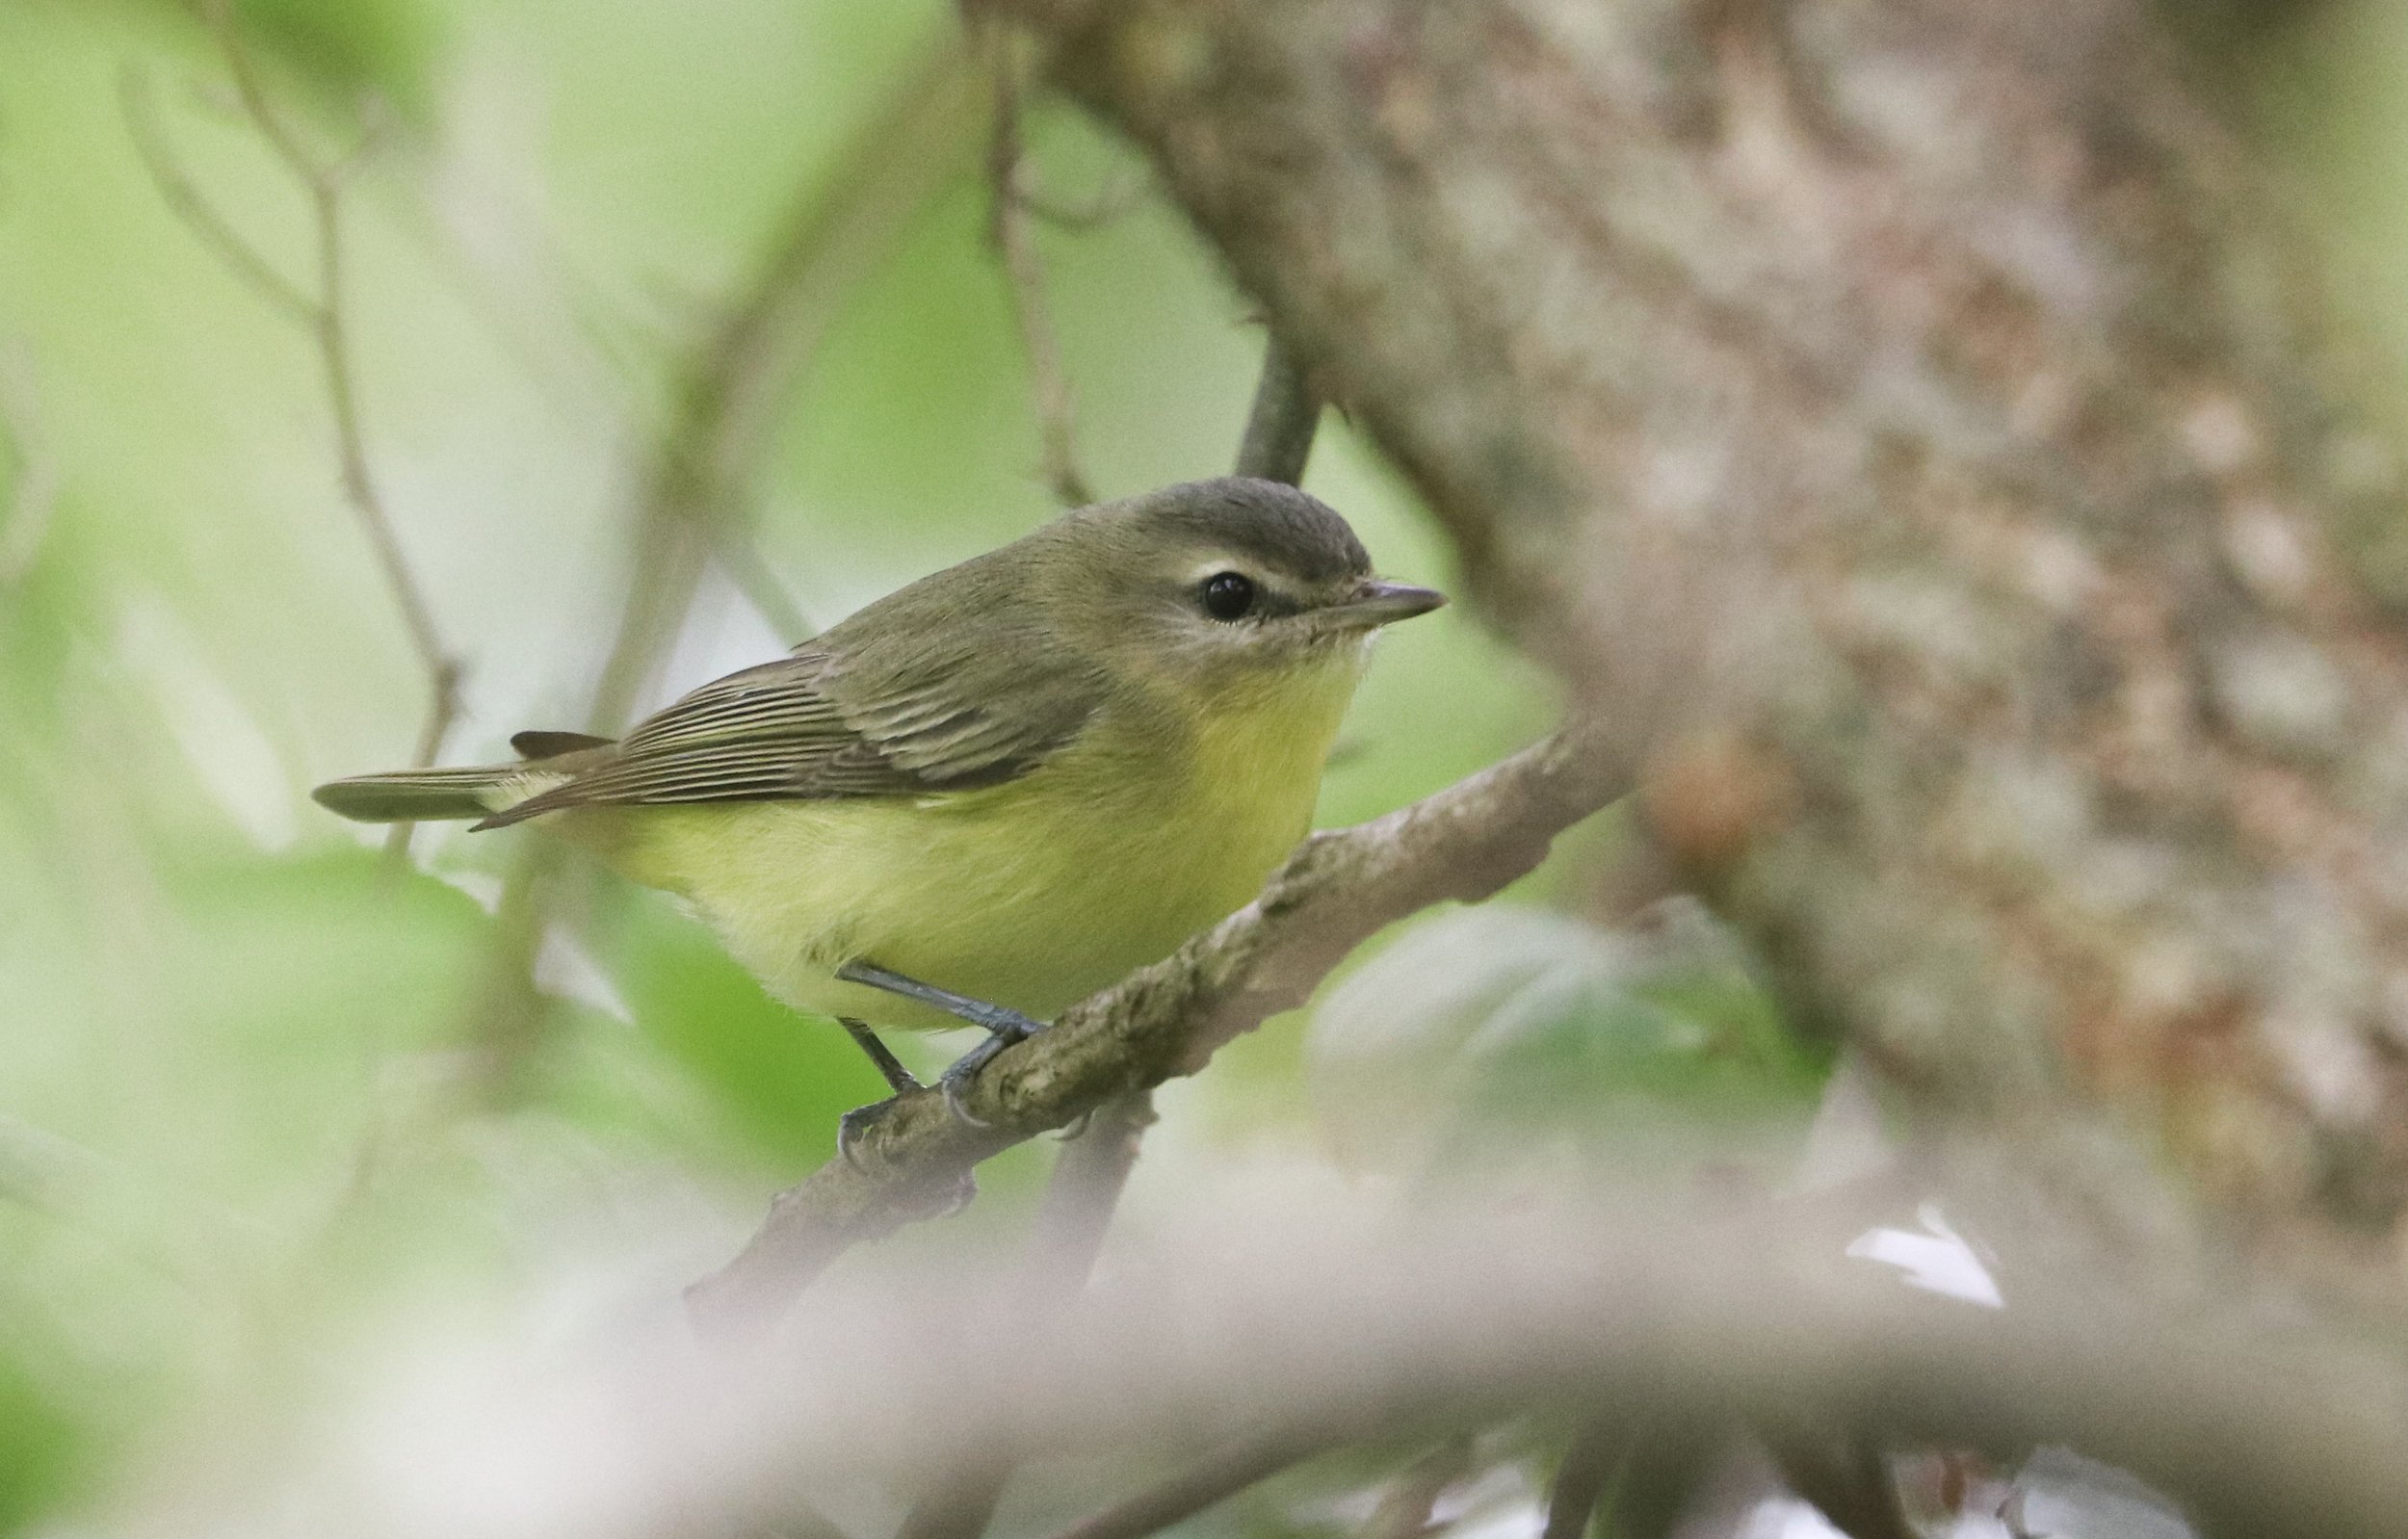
[(1279, 426), (1088, 1178), (184, 197), (1024, 273), (731, 387), (321, 309), (41, 1169), (1167, 1020), (1115, 199), (1667, 1457), (1192, 1491), (1080, 1199), (740, 558), (1096, 1166), (1342, 1312), (1848, 1481), (25, 518), (192, 1243), (726, 402), (1085, 1189), (1580, 1479), (1404, 1512)]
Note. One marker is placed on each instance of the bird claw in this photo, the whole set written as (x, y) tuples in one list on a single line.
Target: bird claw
[(1008, 1029), (954, 1091), (854, 1123), (1004, 1028), (860, 1119)]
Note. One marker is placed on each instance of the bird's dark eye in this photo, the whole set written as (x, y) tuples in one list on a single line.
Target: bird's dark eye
[(1228, 595)]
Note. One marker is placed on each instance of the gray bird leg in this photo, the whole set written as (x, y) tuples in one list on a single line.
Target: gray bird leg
[(1004, 1027), (900, 1080)]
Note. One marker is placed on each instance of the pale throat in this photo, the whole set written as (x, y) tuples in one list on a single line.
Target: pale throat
[(1263, 745)]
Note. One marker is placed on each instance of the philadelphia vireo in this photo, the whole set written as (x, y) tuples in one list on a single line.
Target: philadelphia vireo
[(995, 791)]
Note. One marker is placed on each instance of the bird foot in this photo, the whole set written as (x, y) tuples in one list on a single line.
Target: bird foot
[(1004, 1028), (854, 1123), (860, 1119)]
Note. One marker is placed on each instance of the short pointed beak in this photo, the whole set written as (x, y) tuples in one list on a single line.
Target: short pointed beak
[(1377, 603)]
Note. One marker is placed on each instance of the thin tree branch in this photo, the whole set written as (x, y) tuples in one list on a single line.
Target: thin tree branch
[(1024, 272), (321, 310), (684, 509), (1113, 200), (1167, 1020), (1192, 1491), (1084, 1190), (185, 199), (1080, 1198), (729, 391), (1847, 1479), (184, 1241), (1580, 1479), (39, 1169), (1279, 428), (1340, 1311), (740, 558), (1404, 1512), (1091, 1173)]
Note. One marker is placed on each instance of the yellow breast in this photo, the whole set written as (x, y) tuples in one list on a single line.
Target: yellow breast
[(1033, 894)]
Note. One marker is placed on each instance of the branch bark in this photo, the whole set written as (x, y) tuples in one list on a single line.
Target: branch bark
[(1167, 1020), (1916, 423), (1280, 425), (1338, 1314), (1090, 1175), (1080, 1199), (1024, 280), (1192, 1491), (323, 311)]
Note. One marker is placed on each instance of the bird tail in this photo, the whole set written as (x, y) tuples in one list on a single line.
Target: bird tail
[(472, 791), (423, 796)]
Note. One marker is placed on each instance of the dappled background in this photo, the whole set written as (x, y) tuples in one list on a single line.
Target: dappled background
[(272, 1108)]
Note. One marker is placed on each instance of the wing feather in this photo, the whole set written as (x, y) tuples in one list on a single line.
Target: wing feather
[(879, 709)]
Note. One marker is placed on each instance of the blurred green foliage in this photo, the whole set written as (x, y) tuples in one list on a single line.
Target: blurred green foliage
[(258, 1045), (1508, 1036), (254, 1042), (390, 49), (40, 1447)]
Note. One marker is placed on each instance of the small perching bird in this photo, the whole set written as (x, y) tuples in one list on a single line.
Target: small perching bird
[(996, 790)]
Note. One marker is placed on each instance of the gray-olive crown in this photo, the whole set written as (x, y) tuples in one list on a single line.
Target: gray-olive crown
[(1287, 531)]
